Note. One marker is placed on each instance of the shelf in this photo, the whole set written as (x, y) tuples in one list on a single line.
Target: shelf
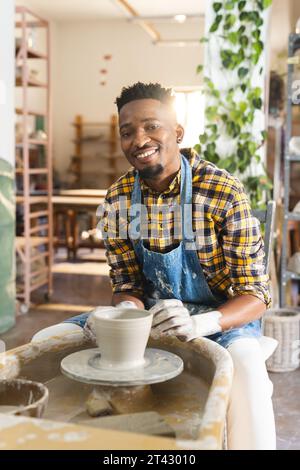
[(106, 157), (293, 216), (33, 171), (36, 225), (31, 82), (90, 124), (30, 112), (32, 142), (293, 60), (34, 241), (31, 54), (293, 158), (292, 276), (31, 24), (33, 199)]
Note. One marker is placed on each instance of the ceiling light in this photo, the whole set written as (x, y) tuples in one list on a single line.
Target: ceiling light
[(180, 18)]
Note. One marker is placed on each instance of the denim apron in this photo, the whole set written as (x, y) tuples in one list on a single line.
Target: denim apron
[(178, 274)]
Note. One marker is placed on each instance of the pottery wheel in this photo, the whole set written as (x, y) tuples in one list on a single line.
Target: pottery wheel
[(159, 366)]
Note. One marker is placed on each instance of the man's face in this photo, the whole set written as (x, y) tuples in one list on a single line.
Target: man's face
[(149, 135)]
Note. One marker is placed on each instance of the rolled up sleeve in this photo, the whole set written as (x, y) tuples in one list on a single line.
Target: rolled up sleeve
[(125, 273)]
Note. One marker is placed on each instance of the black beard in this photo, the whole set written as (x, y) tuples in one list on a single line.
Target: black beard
[(151, 172)]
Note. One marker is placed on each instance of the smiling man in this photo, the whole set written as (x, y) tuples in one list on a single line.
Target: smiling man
[(213, 285)]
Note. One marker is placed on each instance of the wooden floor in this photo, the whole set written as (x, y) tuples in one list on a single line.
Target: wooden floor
[(75, 293)]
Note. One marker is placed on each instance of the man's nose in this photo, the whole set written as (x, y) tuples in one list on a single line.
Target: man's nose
[(140, 139)]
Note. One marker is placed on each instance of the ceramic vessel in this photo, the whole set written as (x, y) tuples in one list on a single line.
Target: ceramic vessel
[(23, 398), (122, 335)]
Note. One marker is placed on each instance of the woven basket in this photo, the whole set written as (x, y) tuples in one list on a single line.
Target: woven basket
[(283, 325)]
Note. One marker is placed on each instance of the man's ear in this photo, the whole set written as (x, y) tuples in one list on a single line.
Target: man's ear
[(179, 133)]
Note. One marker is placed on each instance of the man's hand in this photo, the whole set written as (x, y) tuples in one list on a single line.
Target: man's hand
[(171, 318)]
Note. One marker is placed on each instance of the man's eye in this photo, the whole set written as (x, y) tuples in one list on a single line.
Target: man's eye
[(153, 127), (125, 135)]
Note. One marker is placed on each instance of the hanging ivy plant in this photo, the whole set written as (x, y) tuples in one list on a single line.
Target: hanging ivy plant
[(237, 25)]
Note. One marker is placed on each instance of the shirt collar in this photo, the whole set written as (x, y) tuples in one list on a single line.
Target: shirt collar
[(173, 188)]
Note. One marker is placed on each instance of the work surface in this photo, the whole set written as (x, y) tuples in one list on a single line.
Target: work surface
[(193, 404)]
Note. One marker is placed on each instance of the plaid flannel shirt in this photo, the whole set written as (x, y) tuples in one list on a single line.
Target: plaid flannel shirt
[(230, 250)]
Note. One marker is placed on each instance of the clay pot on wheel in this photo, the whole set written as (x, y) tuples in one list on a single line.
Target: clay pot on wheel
[(122, 335)]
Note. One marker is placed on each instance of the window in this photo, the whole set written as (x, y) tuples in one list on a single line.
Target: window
[(189, 106)]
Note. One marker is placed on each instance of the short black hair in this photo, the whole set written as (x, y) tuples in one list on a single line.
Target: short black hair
[(140, 91)]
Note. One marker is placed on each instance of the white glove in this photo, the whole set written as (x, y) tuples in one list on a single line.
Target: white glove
[(171, 318), (127, 304), (89, 328)]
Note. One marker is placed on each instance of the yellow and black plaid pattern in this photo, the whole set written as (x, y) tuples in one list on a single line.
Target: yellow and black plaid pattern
[(229, 243)]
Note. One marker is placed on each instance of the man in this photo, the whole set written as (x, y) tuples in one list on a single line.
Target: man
[(206, 279)]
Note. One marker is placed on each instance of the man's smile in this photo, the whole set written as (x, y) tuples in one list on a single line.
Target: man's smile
[(146, 155)]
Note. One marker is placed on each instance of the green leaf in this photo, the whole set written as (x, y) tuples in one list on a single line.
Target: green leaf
[(241, 30), (213, 128), (253, 16), (214, 27), (209, 83), (197, 148), (264, 135), (257, 91), (258, 22), (255, 58), (203, 138), (229, 21), (260, 5), (258, 47), (211, 148), (256, 34), (199, 68), (252, 147), (216, 94), (214, 157), (245, 135), (203, 39), (217, 6), (243, 88), (232, 167), (266, 3), (243, 105), (242, 72), (257, 103), (244, 41), (244, 16), (233, 38), (241, 5), (229, 5), (211, 113)]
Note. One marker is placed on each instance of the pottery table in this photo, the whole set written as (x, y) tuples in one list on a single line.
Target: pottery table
[(193, 404)]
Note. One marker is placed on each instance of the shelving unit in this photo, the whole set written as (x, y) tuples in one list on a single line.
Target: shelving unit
[(286, 275), (35, 245), (104, 144)]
